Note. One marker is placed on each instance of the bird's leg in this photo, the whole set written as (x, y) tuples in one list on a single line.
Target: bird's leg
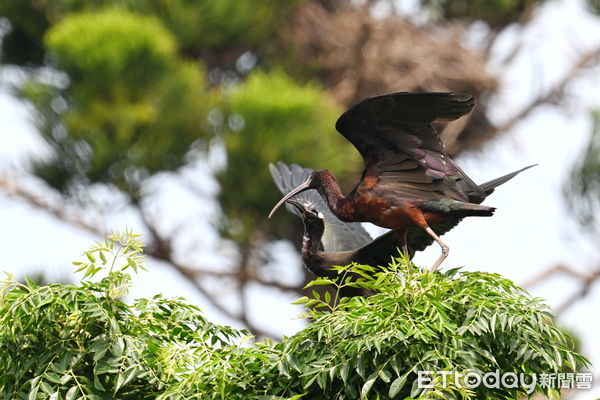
[(419, 220), (401, 237), (445, 249)]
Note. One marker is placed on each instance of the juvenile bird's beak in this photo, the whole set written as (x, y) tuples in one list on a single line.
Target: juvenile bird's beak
[(300, 188), (299, 207)]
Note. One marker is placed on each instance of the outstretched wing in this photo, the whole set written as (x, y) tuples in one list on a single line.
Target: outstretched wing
[(380, 251), (401, 148), (338, 235)]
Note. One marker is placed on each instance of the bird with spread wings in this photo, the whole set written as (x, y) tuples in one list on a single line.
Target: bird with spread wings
[(409, 181)]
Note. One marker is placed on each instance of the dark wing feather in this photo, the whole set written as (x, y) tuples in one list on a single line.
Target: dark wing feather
[(338, 235), (402, 120), (380, 251), (395, 135)]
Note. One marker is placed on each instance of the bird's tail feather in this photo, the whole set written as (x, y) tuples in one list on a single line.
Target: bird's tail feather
[(474, 210), (488, 187), (457, 208)]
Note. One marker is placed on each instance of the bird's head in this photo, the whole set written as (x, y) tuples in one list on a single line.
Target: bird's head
[(316, 180), (313, 220)]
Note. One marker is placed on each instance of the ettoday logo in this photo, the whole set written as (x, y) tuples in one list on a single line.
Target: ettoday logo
[(508, 380)]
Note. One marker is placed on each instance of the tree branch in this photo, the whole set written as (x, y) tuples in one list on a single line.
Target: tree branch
[(161, 248), (553, 93), (13, 189), (585, 279)]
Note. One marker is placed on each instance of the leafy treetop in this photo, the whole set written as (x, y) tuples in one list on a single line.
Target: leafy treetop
[(66, 342)]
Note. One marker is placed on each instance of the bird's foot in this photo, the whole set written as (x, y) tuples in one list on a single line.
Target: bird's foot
[(441, 258)]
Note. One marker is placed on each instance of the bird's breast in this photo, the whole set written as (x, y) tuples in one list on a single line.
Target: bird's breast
[(379, 210), (390, 213)]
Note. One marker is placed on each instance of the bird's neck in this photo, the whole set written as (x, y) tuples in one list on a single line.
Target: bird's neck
[(311, 254), (310, 245), (338, 204)]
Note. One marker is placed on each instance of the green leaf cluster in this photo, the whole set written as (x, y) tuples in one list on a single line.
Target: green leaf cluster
[(131, 106), (219, 24), (199, 26), (113, 44), (65, 341), (417, 321), (82, 342), (130, 97)]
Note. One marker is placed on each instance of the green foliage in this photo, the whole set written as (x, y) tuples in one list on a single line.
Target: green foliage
[(199, 26), (132, 107), (582, 190), (271, 117), (84, 342), (110, 45), (455, 321), (212, 24), (129, 105)]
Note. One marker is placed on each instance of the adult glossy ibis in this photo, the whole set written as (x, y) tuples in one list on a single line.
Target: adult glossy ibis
[(346, 242), (409, 180)]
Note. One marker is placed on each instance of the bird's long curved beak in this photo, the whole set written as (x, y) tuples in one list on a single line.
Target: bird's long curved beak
[(300, 188)]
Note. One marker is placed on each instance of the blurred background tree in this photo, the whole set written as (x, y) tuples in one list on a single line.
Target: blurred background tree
[(127, 92), (583, 189)]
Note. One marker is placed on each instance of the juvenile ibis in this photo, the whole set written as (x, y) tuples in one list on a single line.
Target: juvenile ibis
[(408, 180)]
